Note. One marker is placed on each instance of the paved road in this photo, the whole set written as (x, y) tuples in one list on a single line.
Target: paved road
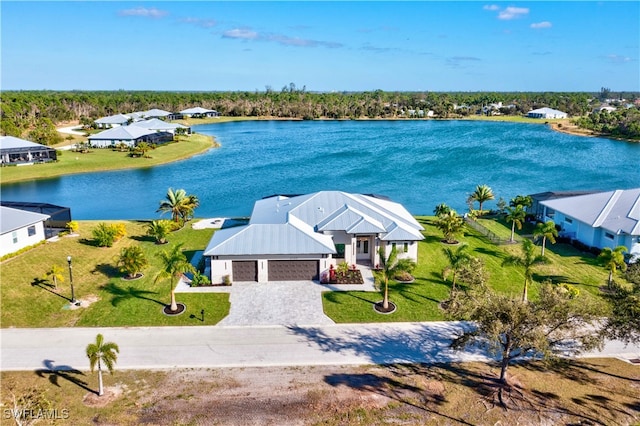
[(219, 346)]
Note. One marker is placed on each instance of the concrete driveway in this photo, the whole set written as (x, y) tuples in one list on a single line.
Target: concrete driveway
[(287, 303)]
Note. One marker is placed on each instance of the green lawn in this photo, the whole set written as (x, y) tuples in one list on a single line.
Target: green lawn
[(119, 302), (419, 300), (107, 159), (139, 303)]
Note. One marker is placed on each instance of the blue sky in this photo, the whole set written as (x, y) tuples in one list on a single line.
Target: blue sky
[(325, 46)]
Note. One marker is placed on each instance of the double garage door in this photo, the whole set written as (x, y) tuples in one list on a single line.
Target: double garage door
[(279, 270)]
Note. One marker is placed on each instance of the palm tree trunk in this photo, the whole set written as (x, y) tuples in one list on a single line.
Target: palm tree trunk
[(174, 305), (100, 386), (525, 291), (453, 282), (610, 277), (385, 300), (513, 229), (544, 241)]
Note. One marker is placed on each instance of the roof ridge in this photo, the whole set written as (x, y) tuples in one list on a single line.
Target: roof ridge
[(607, 208)]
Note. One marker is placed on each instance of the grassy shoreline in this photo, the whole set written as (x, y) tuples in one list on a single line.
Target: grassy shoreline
[(104, 159)]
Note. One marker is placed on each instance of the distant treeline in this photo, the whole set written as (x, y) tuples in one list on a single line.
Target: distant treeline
[(34, 114)]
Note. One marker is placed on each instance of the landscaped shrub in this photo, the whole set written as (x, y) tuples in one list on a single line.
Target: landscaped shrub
[(226, 280), (199, 280), (104, 235), (73, 226), (403, 276), (572, 291)]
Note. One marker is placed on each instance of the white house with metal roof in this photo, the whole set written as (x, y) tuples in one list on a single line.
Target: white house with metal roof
[(545, 112), (602, 219), (129, 135), (199, 112), (301, 237), (158, 125), (20, 151), (20, 229), (112, 121)]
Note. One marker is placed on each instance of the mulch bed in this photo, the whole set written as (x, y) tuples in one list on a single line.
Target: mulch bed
[(181, 308)]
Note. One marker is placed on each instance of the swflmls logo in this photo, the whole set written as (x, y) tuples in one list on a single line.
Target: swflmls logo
[(35, 414)]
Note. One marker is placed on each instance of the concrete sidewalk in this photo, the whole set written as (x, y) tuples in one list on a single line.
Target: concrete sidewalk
[(219, 346)]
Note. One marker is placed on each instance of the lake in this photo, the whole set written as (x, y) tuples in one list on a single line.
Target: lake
[(417, 163)]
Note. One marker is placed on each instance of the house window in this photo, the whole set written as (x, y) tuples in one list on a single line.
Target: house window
[(393, 246), (31, 230), (406, 247), (365, 248), (14, 235), (608, 235), (566, 219)]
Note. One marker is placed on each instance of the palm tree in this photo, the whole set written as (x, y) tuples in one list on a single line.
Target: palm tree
[(189, 207), (457, 259), (441, 209), (102, 352), (55, 273), (390, 266), (174, 264), (482, 194), (521, 200), (132, 260), (159, 229), (516, 216), (612, 260), (450, 224), (174, 203), (179, 204), (546, 231), (527, 261)]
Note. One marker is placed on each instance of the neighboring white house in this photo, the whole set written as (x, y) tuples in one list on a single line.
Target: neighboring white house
[(602, 219), (129, 135), (157, 125), (199, 112), (19, 151), (20, 229), (301, 237), (546, 113), (156, 113), (112, 121)]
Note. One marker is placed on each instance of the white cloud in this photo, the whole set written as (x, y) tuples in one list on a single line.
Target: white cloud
[(491, 7), (199, 22), (543, 24), (245, 34), (617, 59), (242, 34), (144, 12), (513, 12)]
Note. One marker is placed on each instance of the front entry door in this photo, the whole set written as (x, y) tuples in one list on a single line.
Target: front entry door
[(363, 249)]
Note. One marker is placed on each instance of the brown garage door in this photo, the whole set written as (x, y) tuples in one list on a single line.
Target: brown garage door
[(293, 270), (245, 270)]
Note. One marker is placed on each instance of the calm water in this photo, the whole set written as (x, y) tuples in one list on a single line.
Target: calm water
[(417, 163)]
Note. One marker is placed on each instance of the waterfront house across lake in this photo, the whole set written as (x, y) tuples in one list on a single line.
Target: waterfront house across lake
[(548, 113), (16, 151), (301, 237)]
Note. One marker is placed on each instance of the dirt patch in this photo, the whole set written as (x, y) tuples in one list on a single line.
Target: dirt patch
[(85, 302), (109, 395)]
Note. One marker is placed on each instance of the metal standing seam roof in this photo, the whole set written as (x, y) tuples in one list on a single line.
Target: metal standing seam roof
[(113, 119), (11, 142), (122, 133), (269, 239), (157, 124), (155, 112), (283, 225), (14, 219), (196, 110), (616, 211)]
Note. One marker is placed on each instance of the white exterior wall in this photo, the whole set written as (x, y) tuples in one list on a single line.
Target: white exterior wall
[(107, 143), (7, 244)]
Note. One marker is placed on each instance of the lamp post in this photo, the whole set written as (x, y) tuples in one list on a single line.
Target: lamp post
[(73, 296)]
